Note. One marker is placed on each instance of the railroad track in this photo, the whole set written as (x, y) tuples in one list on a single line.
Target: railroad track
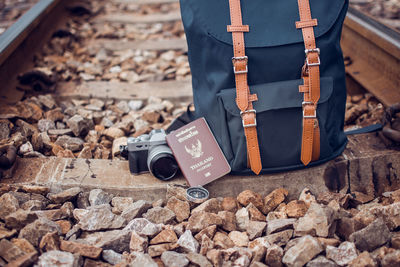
[(366, 165)]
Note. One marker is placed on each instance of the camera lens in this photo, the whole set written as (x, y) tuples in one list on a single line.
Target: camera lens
[(161, 162)]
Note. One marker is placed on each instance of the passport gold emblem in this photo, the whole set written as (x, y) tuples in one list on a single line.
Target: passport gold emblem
[(196, 150)]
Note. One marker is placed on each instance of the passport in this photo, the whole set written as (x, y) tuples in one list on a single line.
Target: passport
[(198, 154)]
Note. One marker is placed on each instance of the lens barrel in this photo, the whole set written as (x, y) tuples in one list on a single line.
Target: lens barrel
[(161, 162)]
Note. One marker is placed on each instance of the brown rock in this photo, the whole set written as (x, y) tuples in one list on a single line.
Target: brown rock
[(159, 215), (157, 250), (165, 236), (180, 228), (113, 133), (246, 197), (54, 115), (65, 226), (274, 256), (120, 204), (117, 240), (391, 259), (321, 261), (208, 231), (9, 251), (93, 263), (138, 242), (296, 209), (64, 196), (380, 253), (181, 208), (20, 218), (24, 245), (222, 241), (279, 225), (363, 260), (8, 205), (201, 220), (228, 220), (273, 199), (212, 205), (215, 256), (280, 238), (33, 232), (257, 264), (326, 197), (36, 189), (240, 239), (230, 204), (206, 245), (24, 260), (359, 198), (152, 116), (81, 249), (307, 196), (395, 241), (259, 253), (345, 227), (255, 214), (50, 241), (198, 259), (5, 233), (275, 215), (66, 154), (176, 191)]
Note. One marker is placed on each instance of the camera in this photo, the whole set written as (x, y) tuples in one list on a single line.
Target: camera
[(150, 153)]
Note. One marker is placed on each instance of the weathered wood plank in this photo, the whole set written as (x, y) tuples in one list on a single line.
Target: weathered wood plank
[(171, 90), (155, 45), (129, 19)]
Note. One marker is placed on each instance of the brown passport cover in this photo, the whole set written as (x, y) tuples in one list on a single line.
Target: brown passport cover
[(198, 153)]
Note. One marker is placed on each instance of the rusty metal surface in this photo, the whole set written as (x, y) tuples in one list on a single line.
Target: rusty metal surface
[(374, 56)]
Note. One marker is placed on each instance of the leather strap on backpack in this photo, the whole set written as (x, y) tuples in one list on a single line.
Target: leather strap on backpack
[(310, 146), (243, 97)]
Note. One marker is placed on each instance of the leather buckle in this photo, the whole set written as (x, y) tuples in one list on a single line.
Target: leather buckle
[(255, 119), (314, 50), (234, 59), (314, 116)]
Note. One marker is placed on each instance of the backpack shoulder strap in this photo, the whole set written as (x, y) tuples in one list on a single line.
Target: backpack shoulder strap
[(310, 145), (243, 97)]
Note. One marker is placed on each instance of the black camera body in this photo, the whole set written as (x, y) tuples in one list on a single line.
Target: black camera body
[(150, 153)]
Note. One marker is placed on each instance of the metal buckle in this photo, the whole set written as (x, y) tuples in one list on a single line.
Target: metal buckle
[(314, 50), (255, 119), (236, 59), (315, 110)]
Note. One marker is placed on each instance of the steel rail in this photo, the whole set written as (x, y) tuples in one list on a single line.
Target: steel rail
[(373, 50), (16, 34)]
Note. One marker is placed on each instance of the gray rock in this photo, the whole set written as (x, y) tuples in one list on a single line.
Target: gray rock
[(242, 219), (343, 254), (98, 218), (44, 125), (274, 256), (82, 201), (142, 259), (255, 229), (66, 195), (123, 106), (318, 221), (111, 256), (80, 126), (321, 261), (8, 205), (59, 259), (47, 101), (280, 238), (33, 205), (26, 148), (143, 226), (122, 203), (188, 243), (279, 225), (99, 197), (371, 237), (174, 259), (305, 250), (160, 215), (25, 128), (135, 209), (390, 214), (116, 240), (72, 143), (59, 131), (33, 232), (135, 105), (4, 129)]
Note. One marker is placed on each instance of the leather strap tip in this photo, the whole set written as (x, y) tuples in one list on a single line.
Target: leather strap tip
[(305, 161), (256, 171)]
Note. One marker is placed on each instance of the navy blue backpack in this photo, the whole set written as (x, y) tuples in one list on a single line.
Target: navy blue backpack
[(269, 78)]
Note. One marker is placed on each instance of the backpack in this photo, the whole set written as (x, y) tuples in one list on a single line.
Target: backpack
[(269, 78)]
